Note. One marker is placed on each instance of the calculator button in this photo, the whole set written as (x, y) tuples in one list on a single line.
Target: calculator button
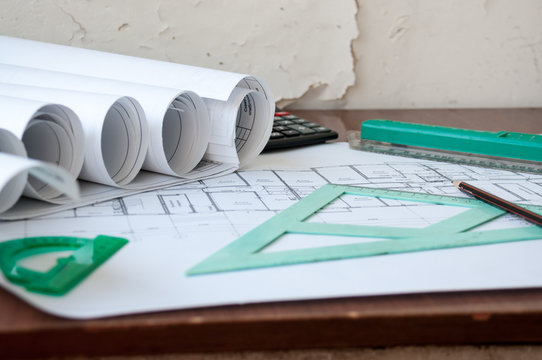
[(284, 122), (321, 129), (290, 117), (276, 135), (291, 133), (302, 129), (280, 128)]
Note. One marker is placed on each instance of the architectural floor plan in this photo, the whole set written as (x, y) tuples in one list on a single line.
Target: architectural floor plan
[(237, 202), (172, 229)]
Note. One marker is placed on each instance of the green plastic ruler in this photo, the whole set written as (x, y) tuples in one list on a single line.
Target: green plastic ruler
[(88, 254), (246, 252), (500, 150)]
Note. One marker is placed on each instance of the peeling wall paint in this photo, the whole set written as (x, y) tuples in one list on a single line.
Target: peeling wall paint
[(445, 54), (324, 54), (294, 46)]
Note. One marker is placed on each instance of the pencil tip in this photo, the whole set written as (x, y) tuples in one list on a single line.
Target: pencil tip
[(456, 183)]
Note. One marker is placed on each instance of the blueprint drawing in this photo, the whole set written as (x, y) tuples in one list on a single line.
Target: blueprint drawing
[(237, 202)]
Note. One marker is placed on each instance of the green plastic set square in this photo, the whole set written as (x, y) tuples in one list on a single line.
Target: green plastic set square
[(503, 150), (247, 251), (86, 256)]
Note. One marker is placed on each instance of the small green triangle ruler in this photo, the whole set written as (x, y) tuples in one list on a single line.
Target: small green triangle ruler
[(87, 255), (246, 252)]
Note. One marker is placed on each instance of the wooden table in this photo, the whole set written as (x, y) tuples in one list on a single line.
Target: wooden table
[(485, 317)]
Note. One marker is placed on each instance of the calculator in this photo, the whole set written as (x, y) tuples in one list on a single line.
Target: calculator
[(290, 131)]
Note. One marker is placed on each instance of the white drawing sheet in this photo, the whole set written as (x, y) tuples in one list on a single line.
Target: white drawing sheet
[(172, 229)]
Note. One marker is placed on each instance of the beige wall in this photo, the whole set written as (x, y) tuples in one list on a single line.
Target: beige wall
[(445, 53), (325, 54)]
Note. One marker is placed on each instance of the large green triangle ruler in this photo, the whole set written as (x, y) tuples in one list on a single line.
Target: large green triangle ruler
[(456, 231)]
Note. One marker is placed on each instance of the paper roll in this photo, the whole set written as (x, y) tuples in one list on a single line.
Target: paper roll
[(16, 170), (115, 130), (178, 120), (44, 131), (213, 85)]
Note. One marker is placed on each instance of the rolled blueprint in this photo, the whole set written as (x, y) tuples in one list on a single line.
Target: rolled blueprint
[(44, 131), (16, 170), (115, 130), (178, 120), (240, 106)]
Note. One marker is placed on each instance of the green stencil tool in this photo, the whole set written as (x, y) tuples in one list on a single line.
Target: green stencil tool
[(246, 252), (88, 254), (500, 150)]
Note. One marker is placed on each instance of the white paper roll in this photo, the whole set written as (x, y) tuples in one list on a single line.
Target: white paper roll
[(213, 85), (16, 170), (178, 120), (44, 131), (116, 134)]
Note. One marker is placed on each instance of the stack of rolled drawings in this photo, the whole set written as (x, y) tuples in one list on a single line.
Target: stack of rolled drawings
[(80, 126)]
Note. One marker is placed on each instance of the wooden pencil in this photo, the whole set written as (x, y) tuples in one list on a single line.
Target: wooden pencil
[(499, 202)]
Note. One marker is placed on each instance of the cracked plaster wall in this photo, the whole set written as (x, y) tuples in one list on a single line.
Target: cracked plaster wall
[(445, 54), (292, 45), (325, 54)]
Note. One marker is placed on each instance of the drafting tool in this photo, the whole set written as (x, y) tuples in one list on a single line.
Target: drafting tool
[(246, 252), (501, 150), (497, 201), (88, 254)]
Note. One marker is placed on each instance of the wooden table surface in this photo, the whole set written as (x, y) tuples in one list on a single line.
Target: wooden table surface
[(484, 317)]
